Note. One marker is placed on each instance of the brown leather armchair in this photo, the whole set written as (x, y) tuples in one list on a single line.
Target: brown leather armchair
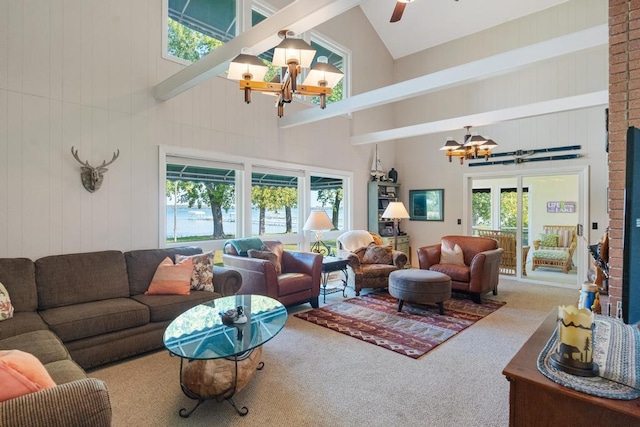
[(482, 264), (366, 269), (298, 283)]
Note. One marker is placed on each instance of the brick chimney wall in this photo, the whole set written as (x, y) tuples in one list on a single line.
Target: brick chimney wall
[(624, 111)]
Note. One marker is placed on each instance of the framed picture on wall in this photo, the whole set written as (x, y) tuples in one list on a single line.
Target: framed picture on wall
[(426, 205)]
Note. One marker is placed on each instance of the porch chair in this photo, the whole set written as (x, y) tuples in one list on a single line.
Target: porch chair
[(555, 247)]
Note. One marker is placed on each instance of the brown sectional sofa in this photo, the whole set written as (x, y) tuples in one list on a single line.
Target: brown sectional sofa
[(79, 311)]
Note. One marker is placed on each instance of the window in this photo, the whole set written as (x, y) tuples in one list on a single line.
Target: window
[(327, 193), (200, 202), (197, 27), (508, 211), (204, 196), (481, 208), (274, 201)]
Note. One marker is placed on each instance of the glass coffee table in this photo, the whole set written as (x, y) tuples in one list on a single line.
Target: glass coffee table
[(217, 359)]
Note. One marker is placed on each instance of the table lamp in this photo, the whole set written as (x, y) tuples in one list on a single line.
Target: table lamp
[(318, 221), (395, 211)]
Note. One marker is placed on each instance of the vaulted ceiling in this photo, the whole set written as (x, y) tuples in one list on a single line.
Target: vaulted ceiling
[(425, 23)]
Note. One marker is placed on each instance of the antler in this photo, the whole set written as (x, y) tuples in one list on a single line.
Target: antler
[(105, 164), (75, 155)]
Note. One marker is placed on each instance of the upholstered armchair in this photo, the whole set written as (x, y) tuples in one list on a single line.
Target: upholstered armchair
[(290, 277), (369, 266), (475, 269)]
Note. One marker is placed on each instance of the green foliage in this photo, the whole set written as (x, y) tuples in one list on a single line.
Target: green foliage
[(508, 209), (481, 209), (331, 197), (188, 44)]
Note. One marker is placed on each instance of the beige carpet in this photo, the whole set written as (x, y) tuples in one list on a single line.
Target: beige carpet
[(316, 377)]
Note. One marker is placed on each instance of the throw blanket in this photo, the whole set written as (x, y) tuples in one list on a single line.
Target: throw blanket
[(242, 246), (352, 240), (615, 349)]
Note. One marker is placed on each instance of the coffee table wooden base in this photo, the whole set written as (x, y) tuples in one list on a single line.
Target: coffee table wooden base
[(218, 379)]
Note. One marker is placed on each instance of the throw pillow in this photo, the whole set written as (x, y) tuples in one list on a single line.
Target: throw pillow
[(266, 255), (549, 240), (21, 373), (202, 276), (171, 279), (6, 309), (378, 255), (449, 255)]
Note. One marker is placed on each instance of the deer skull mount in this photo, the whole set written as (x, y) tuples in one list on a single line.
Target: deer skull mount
[(92, 176)]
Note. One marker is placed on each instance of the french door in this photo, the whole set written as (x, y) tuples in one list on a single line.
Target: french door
[(520, 209)]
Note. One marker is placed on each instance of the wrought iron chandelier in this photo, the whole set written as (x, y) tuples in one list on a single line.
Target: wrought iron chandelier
[(473, 147)]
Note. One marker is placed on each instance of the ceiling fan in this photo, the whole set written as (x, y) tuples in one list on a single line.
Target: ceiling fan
[(399, 10)]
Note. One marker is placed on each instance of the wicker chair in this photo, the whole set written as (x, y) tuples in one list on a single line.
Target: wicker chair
[(507, 241), (555, 247)]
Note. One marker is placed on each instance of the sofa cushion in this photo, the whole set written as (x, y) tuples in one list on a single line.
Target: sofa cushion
[(458, 273), (168, 307), (44, 345), (450, 255), (95, 318), (19, 278), (549, 240), (142, 265), (267, 255), (65, 371), (6, 309), (378, 255), (202, 275), (20, 323), (172, 279), (21, 373), (81, 278)]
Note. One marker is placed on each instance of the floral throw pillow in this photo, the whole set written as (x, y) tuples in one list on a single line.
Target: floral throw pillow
[(378, 255), (549, 240), (6, 309), (202, 276)]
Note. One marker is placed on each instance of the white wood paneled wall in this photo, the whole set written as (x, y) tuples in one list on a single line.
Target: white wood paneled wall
[(80, 73)]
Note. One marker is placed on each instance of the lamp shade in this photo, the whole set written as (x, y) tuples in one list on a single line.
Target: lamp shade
[(317, 221), (395, 210), (323, 74), (244, 66), (296, 50), (451, 145)]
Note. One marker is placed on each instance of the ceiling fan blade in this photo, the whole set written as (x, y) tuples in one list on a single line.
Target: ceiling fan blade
[(397, 11)]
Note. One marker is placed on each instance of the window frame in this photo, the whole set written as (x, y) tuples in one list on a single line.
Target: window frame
[(244, 8), (246, 166)]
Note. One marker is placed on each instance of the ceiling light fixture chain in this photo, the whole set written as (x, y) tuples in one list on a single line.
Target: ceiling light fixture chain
[(472, 147), (293, 55)]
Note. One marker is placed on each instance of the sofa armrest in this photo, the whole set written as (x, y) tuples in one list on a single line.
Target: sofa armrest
[(399, 259), (301, 262), (428, 256), (78, 403), (354, 263), (485, 270), (536, 244), (226, 281)]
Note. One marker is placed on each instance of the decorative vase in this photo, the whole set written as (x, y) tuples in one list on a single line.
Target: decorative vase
[(393, 175)]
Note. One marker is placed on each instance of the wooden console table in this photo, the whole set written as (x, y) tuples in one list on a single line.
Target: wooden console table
[(535, 400)]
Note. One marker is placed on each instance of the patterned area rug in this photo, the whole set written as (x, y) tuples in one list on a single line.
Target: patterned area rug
[(374, 318)]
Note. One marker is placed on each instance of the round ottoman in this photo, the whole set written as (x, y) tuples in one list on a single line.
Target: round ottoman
[(420, 286)]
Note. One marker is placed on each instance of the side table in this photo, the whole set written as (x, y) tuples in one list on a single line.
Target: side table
[(329, 265)]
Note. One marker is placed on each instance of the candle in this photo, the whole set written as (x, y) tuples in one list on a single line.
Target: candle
[(575, 335)]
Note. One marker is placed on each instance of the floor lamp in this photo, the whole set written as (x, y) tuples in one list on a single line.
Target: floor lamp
[(395, 211), (318, 221)]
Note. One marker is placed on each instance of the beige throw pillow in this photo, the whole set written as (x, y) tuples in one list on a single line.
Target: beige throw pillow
[(450, 255), (266, 255)]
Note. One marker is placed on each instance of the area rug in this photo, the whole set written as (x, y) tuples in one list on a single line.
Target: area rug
[(374, 318)]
